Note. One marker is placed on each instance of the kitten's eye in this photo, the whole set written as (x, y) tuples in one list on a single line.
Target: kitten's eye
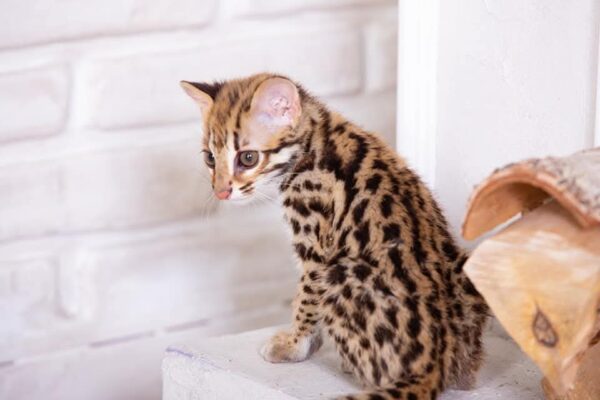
[(209, 159), (248, 159)]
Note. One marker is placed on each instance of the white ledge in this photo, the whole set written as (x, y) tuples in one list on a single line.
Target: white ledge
[(230, 367)]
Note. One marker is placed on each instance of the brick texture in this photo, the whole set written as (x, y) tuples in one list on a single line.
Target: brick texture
[(382, 55), (110, 248), (113, 189), (269, 7), (104, 190), (144, 89), (31, 202), (41, 21), (110, 288), (26, 302), (373, 111), (33, 102)]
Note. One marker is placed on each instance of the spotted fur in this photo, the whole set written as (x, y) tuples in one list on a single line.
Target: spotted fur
[(381, 274)]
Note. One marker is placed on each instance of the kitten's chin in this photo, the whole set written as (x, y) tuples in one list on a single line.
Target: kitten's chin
[(240, 201)]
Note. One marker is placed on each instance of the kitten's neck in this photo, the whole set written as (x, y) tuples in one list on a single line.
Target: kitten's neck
[(316, 124), (302, 141)]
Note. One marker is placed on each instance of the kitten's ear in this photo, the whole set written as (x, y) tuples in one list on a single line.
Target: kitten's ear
[(276, 103), (202, 93)]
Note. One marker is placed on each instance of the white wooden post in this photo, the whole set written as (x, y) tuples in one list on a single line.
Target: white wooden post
[(417, 85)]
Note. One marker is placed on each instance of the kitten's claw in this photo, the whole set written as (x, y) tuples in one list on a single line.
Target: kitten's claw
[(287, 347)]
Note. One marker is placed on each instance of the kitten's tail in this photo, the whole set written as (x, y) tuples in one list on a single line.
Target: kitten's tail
[(424, 388)]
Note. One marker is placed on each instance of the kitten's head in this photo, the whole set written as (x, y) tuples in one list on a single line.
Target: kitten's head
[(246, 122)]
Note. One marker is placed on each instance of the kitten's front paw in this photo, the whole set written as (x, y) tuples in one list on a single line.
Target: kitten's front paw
[(287, 347)]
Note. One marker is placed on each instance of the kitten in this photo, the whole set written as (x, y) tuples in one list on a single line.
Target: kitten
[(381, 274)]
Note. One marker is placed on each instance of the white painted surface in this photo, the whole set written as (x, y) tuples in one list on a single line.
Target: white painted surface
[(515, 79), (126, 369), (597, 122), (418, 22), (230, 367)]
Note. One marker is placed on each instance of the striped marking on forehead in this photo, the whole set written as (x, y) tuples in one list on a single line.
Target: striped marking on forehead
[(224, 117), (218, 138), (236, 140), (226, 104)]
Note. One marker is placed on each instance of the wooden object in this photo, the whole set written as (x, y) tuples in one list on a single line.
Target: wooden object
[(573, 181), (541, 274), (587, 384)]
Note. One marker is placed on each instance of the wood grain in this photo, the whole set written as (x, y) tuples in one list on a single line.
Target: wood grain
[(541, 277)]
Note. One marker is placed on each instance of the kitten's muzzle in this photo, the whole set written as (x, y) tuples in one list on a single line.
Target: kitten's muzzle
[(223, 194)]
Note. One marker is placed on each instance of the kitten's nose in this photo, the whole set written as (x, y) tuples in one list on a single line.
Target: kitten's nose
[(224, 194)]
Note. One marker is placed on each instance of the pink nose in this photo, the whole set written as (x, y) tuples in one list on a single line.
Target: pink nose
[(224, 194)]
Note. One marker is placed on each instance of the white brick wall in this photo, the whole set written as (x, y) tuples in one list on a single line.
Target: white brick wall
[(41, 21), (109, 249), (41, 93)]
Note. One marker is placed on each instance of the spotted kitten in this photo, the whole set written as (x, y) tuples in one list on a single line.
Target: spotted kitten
[(381, 274)]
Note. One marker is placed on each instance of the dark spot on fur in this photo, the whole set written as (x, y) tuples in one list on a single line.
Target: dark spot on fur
[(307, 289), (318, 207), (400, 271), (386, 205), (347, 292), (343, 237), (361, 234), (300, 250), (450, 250), (376, 372), (414, 351), (391, 232), (339, 310), (360, 320), (336, 275), (379, 284), (383, 334), (414, 327), (391, 316), (364, 301), (359, 211), (373, 183), (295, 226), (418, 251), (300, 207), (361, 272), (379, 164), (364, 343)]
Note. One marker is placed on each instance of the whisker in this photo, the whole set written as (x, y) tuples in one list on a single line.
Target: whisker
[(264, 195), (208, 206)]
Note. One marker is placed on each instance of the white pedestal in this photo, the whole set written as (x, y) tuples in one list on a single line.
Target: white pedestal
[(230, 367)]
